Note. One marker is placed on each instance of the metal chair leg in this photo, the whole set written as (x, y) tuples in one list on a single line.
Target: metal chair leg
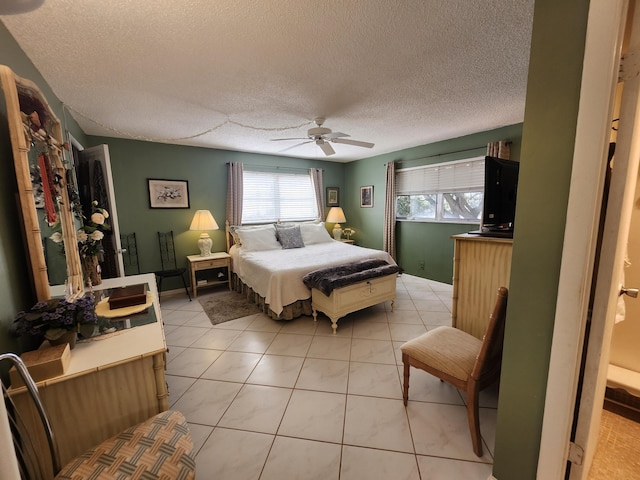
[(184, 282)]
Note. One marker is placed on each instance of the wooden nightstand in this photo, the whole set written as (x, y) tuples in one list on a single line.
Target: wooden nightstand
[(215, 260)]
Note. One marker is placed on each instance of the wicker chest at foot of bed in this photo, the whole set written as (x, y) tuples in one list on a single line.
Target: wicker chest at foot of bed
[(353, 297)]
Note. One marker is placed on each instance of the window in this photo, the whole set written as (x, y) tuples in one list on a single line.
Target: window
[(443, 192), (269, 197)]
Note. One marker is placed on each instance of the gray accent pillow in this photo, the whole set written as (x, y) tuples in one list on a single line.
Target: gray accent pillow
[(289, 237)]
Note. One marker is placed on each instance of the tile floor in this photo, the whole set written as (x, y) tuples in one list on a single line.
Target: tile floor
[(270, 399)]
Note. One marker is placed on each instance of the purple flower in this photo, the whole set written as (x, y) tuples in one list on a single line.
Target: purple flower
[(55, 314)]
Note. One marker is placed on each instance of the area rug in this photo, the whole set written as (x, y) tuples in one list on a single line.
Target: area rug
[(224, 306)]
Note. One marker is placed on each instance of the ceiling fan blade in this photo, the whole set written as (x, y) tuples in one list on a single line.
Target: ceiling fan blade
[(326, 148), (292, 138), (296, 145), (357, 143), (336, 135)]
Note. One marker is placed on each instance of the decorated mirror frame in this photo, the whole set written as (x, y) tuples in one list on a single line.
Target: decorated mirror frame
[(32, 124)]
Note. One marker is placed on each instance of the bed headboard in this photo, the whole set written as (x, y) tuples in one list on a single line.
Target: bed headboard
[(228, 236)]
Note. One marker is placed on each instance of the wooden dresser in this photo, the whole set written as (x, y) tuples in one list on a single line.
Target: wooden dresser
[(480, 266), (113, 381)]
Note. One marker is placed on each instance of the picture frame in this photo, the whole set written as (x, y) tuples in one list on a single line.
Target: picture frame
[(168, 193), (366, 196), (333, 196)]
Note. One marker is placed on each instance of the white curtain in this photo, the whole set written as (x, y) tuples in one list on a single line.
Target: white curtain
[(499, 149), (234, 194), (389, 237), (316, 180)]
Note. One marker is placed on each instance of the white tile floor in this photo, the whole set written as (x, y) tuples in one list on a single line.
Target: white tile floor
[(270, 399)]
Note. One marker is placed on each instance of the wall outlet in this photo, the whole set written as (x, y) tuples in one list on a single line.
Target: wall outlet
[(421, 265)]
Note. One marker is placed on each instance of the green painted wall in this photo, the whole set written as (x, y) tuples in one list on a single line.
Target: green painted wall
[(418, 243), (15, 282), (547, 154), (132, 162)]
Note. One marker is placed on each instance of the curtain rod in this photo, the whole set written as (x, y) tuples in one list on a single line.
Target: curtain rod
[(484, 147), (277, 167), (447, 153)]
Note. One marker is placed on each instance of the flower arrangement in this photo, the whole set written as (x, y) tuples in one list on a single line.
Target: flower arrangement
[(54, 317), (348, 232), (92, 232)]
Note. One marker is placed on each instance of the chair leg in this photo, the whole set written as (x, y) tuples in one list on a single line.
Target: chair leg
[(184, 282), (159, 287), (405, 383), (473, 393)]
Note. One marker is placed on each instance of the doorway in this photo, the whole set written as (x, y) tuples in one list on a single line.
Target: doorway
[(92, 167), (615, 454), (568, 446)]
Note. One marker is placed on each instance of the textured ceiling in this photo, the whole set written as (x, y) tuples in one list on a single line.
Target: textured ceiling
[(233, 74)]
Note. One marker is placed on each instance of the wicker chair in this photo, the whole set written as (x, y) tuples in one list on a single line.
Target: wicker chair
[(159, 448), (462, 360)]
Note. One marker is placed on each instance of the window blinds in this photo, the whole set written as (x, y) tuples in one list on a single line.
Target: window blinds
[(459, 176), (269, 197)]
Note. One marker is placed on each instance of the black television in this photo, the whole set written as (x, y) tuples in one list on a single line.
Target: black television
[(500, 191)]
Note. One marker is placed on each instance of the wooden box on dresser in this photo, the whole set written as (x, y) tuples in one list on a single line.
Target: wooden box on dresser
[(113, 381), (480, 266)]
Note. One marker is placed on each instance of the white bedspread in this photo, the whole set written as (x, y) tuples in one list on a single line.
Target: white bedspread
[(277, 275)]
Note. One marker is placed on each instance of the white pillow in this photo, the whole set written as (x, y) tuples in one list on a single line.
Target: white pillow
[(256, 239), (314, 233), (234, 229)]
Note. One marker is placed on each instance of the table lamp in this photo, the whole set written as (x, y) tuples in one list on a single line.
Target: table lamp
[(336, 215), (203, 220)]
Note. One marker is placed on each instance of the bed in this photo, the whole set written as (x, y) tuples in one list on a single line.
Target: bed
[(270, 261)]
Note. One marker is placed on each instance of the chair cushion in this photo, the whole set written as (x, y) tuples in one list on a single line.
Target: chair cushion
[(447, 349), (160, 448)]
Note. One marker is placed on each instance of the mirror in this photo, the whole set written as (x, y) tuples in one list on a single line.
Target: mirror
[(36, 142)]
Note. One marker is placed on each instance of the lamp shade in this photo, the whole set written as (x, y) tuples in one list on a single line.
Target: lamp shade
[(203, 220), (336, 215)]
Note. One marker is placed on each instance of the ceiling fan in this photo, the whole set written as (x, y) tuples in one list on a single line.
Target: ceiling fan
[(321, 136)]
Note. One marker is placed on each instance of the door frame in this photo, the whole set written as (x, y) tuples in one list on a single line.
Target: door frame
[(113, 210), (603, 46)]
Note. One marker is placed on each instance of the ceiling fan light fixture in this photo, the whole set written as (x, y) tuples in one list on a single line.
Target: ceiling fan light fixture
[(321, 136), (14, 7), (318, 131)]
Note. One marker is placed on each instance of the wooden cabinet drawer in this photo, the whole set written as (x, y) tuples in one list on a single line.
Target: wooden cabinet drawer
[(204, 265)]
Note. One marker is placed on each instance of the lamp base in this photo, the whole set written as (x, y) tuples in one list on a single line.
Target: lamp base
[(337, 231), (204, 244)]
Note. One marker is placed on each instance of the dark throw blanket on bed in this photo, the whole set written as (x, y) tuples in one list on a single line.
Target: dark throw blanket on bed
[(327, 279)]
